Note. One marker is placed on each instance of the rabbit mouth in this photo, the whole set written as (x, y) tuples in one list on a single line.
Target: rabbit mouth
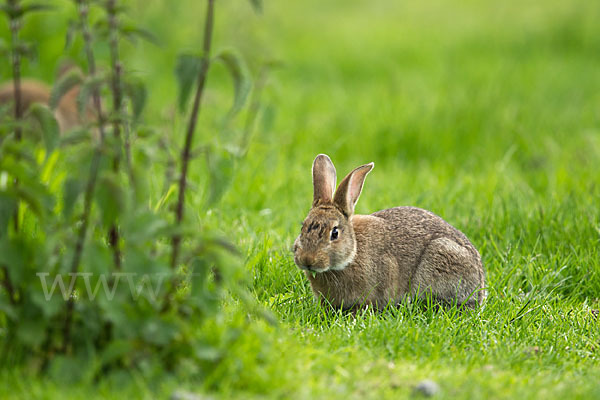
[(313, 268)]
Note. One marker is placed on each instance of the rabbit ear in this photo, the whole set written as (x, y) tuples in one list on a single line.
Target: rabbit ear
[(348, 192), (323, 173)]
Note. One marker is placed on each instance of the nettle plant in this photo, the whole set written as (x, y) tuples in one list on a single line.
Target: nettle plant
[(92, 272)]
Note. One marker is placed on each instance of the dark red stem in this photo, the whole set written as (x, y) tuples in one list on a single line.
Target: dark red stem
[(185, 155)]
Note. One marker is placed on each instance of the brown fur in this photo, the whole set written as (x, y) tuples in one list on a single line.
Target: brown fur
[(33, 91), (390, 255)]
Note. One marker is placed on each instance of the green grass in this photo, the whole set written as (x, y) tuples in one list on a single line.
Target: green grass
[(485, 113)]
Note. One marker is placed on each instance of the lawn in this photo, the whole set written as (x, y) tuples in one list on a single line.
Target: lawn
[(486, 113)]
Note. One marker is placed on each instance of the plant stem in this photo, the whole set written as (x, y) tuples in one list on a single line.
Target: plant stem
[(15, 27), (116, 72), (117, 93), (83, 8), (127, 148), (6, 282), (87, 208), (185, 155)]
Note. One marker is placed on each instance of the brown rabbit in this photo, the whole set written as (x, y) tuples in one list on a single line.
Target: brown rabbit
[(393, 254), (33, 91)]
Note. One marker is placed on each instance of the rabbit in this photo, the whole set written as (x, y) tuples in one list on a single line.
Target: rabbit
[(33, 91), (391, 255)]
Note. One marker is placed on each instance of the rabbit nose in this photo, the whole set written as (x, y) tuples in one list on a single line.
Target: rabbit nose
[(307, 261)]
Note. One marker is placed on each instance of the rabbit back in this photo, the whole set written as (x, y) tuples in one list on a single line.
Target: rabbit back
[(432, 256)]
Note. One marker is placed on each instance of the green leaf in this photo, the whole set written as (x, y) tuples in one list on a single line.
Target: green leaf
[(50, 306), (14, 255), (207, 353), (31, 331), (101, 30), (268, 117), (90, 85), (110, 197), (144, 226), (198, 275), (37, 198), (96, 259), (71, 190), (116, 350), (134, 32), (71, 30), (159, 332), (220, 168), (3, 47), (6, 306), (257, 5), (66, 82), (67, 370), (6, 9), (15, 11), (48, 124), (75, 136), (146, 132), (186, 71), (25, 167), (241, 80), (8, 206), (5, 110), (37, 7), (141, 262), (222, 244), (136, 91)]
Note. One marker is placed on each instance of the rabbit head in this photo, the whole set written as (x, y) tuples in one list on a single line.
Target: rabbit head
[(327, 240)]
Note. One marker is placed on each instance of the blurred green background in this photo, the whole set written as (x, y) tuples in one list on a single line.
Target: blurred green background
[(485, 112)]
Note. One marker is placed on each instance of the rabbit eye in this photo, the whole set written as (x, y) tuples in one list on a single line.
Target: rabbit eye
[(334, 233)]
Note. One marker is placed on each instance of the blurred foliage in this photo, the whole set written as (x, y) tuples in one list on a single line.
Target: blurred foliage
[(87, 288)]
